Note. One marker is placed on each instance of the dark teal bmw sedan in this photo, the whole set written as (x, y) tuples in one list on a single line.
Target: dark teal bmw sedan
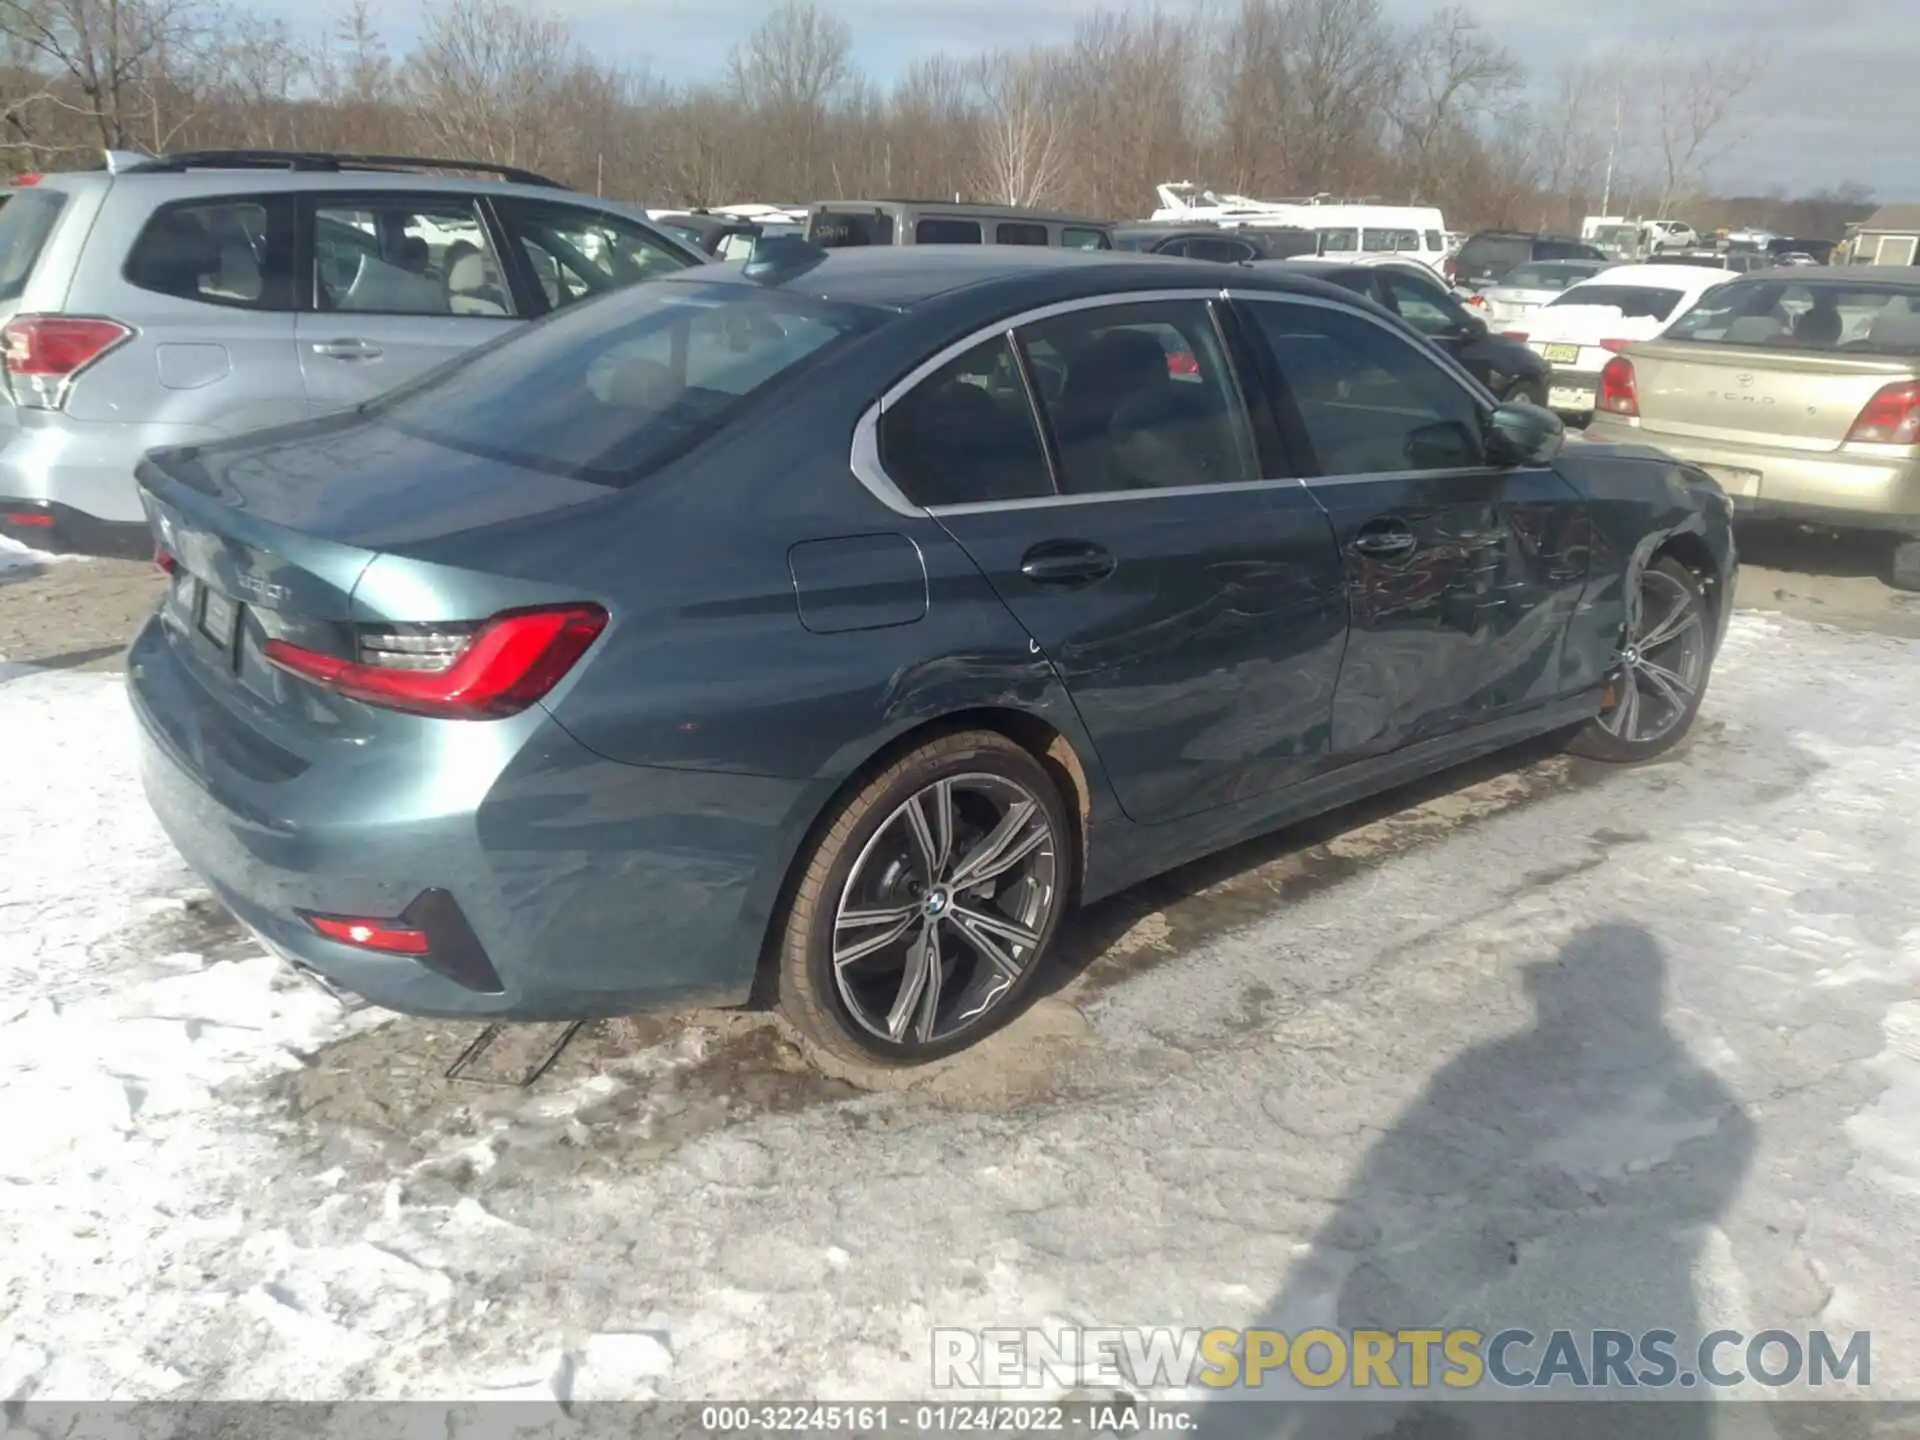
[(824, 628)]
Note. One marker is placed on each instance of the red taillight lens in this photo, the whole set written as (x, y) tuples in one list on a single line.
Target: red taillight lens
[(1519, 335), (370, 934), (1616, 346), (38, 519), (44, 353), (163, 558), (1891, 417), (1182, 363), (1617, 394), (1479, 301), (505, 665), (32, 177)]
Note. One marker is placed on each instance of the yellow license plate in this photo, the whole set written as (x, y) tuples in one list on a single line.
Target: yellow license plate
[(1561, 354)]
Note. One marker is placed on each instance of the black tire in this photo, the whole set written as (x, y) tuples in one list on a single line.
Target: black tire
[(1602, 737), (809, 995), (1903, 565)]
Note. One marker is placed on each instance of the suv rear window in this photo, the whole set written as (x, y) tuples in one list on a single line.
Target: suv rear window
[(1489, 254), (610, 392), (837, 229), (26, 221)]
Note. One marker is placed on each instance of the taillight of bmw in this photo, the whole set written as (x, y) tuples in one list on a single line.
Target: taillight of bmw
[(484, 670), (44, 354)]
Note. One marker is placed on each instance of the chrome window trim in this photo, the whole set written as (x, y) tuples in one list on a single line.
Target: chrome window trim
[(1458, 373), (864, 459)]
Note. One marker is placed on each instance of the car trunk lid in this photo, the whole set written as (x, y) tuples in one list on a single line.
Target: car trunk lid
[(1780, 398)]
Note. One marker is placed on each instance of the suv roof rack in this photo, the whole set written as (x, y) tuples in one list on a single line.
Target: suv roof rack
[(321, 160)]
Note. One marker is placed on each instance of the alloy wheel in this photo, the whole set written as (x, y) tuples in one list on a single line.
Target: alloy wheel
[(1661, 667), (944, 908)]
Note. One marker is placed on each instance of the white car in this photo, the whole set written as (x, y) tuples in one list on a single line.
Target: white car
[(1525, 288), (1588, 324), (1670, 235)]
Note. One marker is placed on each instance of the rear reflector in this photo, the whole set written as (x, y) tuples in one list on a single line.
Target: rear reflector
[(1617, 395), (1891, 417), (389, 936), (44, 354), (495, 669)]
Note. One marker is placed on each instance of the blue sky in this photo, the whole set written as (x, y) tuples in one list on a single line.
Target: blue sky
[(1840, 102)]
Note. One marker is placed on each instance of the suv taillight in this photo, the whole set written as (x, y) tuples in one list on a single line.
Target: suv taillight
[(1617, 393), (1891, 417), (460, 672), (44, 354)]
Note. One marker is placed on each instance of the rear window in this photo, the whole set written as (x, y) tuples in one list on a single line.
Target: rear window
[(1486, 253), (935, 230), (836, 229), (1634, 302), (1128, 240), (1019, 232), (1555, 276), (1286, 244), (25, 223), (1863, 319), (610, 392)]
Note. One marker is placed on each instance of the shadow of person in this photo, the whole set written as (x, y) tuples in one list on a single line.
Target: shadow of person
[(1567, 1177)]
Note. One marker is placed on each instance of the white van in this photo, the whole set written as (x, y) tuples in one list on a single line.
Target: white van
[(1343, 230)]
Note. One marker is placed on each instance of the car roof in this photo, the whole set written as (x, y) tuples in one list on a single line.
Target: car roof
[(902, 276), (212, 180), (968, 208), (1901, 276), (1683, 276)]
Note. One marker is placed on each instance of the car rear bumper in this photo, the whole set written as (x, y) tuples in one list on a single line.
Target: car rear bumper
[(81, 469), (588, 887), (1842, 488)]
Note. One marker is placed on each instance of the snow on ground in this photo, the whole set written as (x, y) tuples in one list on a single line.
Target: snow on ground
[(15, 556), (1573, 1047)]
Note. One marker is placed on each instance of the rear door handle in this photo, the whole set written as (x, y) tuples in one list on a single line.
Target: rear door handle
[(1066, 562), (1385, 539), (347, 349)]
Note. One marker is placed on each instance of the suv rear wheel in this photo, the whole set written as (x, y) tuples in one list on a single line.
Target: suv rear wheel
[(925, 908)]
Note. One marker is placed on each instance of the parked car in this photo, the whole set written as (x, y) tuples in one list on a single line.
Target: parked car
[(1417, 296), (1205, 242), (1664, 235), (159, 302), (1739, 262), (1526, 288), (1799, 389), (1587, 324), (721, 234), (1489, 254), (839, 224), (824, 628)]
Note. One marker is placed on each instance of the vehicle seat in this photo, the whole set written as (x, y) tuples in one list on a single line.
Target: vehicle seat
[(174, 256), (388, 289), (963, 446), (1123, 368), (1755, 330), (473, 288), (237, 277), (1820, 326), (1895, 329)]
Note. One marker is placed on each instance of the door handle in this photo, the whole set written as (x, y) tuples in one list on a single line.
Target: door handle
[(1066, 562), (347, 349), (1385, 541)]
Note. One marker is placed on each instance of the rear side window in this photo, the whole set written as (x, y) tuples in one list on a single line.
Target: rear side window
[(1212, 247), (1338, 240), (966, 434), (1435, 240), (1019, 232), (1076, 237), (222, 252), (1389, 242), (1634, 302), (936, 230), (842, 229), (611, 391), (25, 223)]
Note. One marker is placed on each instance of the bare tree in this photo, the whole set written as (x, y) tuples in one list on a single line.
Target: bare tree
[(1693, 101), (108, 56), (1453, 77), (797, 59), (1023, 142), (486, 78)]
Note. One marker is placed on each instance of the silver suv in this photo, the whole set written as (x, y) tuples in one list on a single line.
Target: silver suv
[(163, 301)]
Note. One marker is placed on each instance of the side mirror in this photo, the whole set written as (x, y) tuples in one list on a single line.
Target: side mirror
[(1522, 434)]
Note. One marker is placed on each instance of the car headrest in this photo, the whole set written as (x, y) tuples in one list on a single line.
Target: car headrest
[(470, 273)]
